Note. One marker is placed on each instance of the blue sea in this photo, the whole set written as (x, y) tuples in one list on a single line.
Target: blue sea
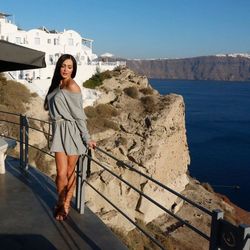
[(218, 133)]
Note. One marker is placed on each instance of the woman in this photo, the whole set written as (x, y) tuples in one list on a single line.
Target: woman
[(70, 134)]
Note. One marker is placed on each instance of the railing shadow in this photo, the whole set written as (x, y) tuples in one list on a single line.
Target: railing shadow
[(25, 241)]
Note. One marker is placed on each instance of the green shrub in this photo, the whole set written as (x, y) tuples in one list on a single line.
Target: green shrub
[(149, 104), (97, 79), (90, 112), (106, 110), (14, 95), (13, 98), (132, 92), (100, 124), (111, 124), (105, 75), (147, 91), (101, 110), (34, 94), (2, 78), (99, 118)]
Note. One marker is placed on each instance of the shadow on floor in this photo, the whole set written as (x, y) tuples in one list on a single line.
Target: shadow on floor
[(39, 197), (24, 242)]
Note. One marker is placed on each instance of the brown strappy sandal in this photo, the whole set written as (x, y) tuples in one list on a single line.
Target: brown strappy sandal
[(66, 208), (60, 212)]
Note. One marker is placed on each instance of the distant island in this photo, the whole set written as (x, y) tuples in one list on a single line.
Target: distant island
[(233, 67)]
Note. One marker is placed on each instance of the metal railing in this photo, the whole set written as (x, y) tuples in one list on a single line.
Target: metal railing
[(223, 235)]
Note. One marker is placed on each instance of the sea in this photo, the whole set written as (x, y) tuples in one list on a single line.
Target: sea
[(217, 117)]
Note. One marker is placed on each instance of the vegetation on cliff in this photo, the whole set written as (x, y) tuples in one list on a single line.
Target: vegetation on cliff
[(98, 78), (16, 98)]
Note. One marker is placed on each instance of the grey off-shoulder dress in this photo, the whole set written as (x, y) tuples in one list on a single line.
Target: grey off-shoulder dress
[(68, 122)]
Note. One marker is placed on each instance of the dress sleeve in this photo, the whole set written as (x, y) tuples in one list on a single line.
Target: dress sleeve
[(75, 105)]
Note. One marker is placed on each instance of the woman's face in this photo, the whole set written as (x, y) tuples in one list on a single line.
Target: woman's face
[(66, 69)]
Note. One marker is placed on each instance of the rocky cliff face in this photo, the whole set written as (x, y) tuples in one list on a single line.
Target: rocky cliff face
[(224, 68), (151, 136)]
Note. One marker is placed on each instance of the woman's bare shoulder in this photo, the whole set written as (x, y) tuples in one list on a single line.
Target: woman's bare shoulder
[(72, 86)]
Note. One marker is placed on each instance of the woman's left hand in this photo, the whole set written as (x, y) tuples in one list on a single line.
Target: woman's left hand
[(91, 144)]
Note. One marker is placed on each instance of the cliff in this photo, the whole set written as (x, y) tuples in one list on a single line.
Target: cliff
[(151, 135), (148, 131), (223, 68)]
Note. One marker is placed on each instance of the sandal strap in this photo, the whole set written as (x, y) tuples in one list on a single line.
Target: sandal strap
[(60, 211)]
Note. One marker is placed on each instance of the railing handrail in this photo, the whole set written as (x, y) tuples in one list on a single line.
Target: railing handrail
[(10, 113), (2, 120), (152, 200), (157, 182), (39, 120)]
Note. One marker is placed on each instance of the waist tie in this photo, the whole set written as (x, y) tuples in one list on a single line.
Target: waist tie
[(61, 120), (58, 120)]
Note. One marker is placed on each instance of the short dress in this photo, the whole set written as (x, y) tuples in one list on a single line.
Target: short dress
[(69, 131)]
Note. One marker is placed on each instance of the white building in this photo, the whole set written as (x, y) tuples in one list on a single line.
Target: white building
[(54, 44)]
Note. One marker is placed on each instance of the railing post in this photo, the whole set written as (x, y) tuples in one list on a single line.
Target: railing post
[(21, 141), (245, 235), (26, 156), (82, 166), (216, 216), (226, 236), (24, 142)]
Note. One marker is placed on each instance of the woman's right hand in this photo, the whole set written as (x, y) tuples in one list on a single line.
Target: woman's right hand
[(91, 144)]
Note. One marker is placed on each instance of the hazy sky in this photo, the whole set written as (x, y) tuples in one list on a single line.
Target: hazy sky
[(143, 28)]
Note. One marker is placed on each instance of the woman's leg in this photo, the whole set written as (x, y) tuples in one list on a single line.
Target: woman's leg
[(72, 160), (61, 179)]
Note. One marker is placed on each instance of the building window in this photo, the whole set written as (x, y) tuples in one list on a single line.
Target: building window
[(18, 40), (56, 41), (71, 42), (51, 59), (37, 40), (49, 41)]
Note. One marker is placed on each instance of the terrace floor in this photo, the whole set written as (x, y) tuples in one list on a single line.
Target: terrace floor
[(27, 222)]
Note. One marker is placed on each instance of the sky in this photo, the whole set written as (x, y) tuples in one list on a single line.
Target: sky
[(143, 29)]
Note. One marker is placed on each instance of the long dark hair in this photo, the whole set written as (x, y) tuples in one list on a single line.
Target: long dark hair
[(57, 76)]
